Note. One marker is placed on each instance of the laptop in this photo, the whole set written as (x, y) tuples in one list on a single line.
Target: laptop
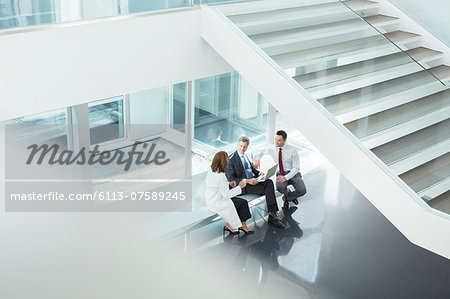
[(269, 174)]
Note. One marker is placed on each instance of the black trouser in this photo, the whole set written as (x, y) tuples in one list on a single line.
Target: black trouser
[(242, 209), (264, 188)]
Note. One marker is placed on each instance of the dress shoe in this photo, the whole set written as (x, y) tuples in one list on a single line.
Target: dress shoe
[(230, 231), (276, 221), (247, 232)]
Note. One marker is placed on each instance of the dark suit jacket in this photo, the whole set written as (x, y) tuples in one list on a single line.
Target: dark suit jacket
[(235, 170)]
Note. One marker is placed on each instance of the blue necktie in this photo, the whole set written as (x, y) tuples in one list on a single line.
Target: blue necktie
[(248, 172)]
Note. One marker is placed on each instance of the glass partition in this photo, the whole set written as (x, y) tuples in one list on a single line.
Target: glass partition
[(135, 6), (23, 13), (227, 107), (178, 115), (52, 122), (103, 114), (16, 13)]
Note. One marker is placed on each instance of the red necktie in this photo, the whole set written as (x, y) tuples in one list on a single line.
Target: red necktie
[(280, 163)]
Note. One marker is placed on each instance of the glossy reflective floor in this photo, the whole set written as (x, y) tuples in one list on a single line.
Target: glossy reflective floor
[(336, 245)]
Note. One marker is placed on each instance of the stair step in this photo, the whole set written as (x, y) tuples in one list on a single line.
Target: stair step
[(338, 54), (415, 149), (357, 75), (441, 72), (437, 189), (400, 121), (290, 13), (431, 179), (353, 70), (381, 20), (363, 96), (441, 203), (360, 81), (373, 99), (289, 35), (250, 7), (424, 54), (288, 18), (381, 121), (297, 39), (402, 37), (361, 5), (363, 80)]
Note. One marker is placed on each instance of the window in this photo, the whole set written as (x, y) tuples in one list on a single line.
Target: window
[(52, 126), (106, 120), (179, 93), (227, 107)]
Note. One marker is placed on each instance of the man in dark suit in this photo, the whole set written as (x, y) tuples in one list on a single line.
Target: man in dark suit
[(241, 168)]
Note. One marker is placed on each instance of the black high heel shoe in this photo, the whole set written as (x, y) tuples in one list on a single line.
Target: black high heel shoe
[(226, 229), (247, 232)]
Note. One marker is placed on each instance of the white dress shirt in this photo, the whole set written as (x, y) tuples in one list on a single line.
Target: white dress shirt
[(289, 157)]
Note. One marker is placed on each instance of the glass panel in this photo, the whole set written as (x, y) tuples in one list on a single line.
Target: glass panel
[(178, 106), (432, 15), (25, 13), (198, 2), (7, 15), (21, 13), (52, 134), (135, 6), (227, 107), (101, 115)]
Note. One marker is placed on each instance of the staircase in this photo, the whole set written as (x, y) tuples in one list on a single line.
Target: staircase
[(380, 82)]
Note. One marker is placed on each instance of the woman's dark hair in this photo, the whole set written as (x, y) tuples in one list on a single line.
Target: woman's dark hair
[(219, 162)]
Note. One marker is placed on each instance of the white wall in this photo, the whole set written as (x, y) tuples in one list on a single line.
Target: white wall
[(65, 65)]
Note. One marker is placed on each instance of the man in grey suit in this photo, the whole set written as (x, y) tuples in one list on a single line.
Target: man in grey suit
[(240, 167)]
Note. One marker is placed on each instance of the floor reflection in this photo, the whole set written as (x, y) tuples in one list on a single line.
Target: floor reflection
[(336, 245), (274, 243)]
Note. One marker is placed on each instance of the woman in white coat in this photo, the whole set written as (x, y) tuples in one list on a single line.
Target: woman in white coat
[(221, 200)]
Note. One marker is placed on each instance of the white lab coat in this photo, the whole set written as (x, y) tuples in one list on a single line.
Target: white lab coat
[(218, 198)]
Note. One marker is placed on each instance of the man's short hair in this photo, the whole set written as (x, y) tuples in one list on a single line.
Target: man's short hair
[(244, 139), (282, 134)]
